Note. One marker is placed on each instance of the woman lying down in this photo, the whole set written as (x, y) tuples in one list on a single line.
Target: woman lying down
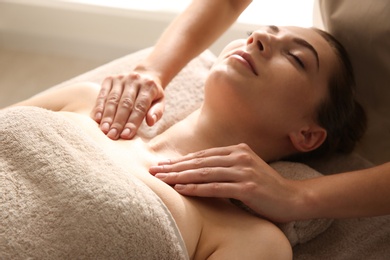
[(282, 91)]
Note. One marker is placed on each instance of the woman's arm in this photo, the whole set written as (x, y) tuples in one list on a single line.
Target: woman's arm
[(78, 97), (142, 93), (237, 172)]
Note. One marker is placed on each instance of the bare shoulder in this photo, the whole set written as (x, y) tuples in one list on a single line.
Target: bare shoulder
[(82, 97), (271, 243), (253, 238)]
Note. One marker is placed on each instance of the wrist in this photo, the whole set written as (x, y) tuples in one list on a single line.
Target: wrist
[(307, 206), (155, 75), (294, 204), (161, 69)]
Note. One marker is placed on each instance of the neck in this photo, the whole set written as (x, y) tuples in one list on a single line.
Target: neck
[(198, 132), (187, 136)]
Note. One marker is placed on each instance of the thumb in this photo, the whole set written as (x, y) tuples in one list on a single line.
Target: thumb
[(155, 112)]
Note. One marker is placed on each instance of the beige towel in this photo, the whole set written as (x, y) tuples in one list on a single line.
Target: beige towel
[(62, 197)]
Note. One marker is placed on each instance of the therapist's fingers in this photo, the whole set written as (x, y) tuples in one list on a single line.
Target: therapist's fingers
[(112, 101), (148, 93), (198, 156), (97, 111), (237, 163), (193, 164), (235, 155), (201, 175), (215, 190), (129, 116), (155, 112), (124, 107)]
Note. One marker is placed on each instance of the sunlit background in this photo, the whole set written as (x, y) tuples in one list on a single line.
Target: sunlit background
[(278, 12), (111, 28)]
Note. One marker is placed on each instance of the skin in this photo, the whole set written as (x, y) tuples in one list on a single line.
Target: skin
[(121, 108)]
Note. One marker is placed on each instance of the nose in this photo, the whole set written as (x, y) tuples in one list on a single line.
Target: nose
[(260, 41)]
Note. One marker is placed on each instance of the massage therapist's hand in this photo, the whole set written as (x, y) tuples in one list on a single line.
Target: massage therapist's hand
[(124, 102), (233, 172)]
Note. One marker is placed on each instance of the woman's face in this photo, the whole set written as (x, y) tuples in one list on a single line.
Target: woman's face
[(276, 77)]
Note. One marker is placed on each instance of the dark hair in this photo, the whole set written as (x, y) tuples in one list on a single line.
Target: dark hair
[(339, 113)]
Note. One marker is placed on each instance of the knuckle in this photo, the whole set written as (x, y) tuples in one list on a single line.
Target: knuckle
[(172, 177), (113, 99), (127, 103), (141, 107), (243, 146), (205, 172), (168, 168), (198, 161), (107, 82), (102, 95), (244, 157), (99, 107), (150, 86), (134, 76), (248, 187), (200, 153), (248, 173), (215, 187)]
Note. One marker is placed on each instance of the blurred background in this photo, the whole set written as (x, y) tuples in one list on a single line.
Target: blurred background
[(45, 42)]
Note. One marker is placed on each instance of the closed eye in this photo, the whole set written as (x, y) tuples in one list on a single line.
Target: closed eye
[(297, 60)]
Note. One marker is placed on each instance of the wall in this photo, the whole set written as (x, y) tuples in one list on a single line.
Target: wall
[(97, 31)]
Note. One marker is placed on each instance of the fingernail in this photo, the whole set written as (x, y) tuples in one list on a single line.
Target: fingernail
[(154, 118), (98, 116), (126, 133), (161, 175), (179, 187), (167, 161), (112, 133), (105, 127), (154, 169)]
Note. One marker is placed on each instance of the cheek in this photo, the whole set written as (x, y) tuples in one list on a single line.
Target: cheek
[(291, 93)]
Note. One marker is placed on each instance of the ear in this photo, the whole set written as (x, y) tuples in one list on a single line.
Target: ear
[(308, 138)]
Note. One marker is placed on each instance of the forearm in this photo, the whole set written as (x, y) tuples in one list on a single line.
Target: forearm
[(354, 194), (189, 34)]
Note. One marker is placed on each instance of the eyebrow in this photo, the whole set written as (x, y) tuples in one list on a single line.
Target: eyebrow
[(301, 42), (304, 43)]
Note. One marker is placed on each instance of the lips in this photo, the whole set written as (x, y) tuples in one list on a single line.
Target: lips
[(248, 59)]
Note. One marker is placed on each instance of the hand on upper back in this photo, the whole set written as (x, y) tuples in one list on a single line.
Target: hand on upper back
[(231, 172), (124, 101)]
